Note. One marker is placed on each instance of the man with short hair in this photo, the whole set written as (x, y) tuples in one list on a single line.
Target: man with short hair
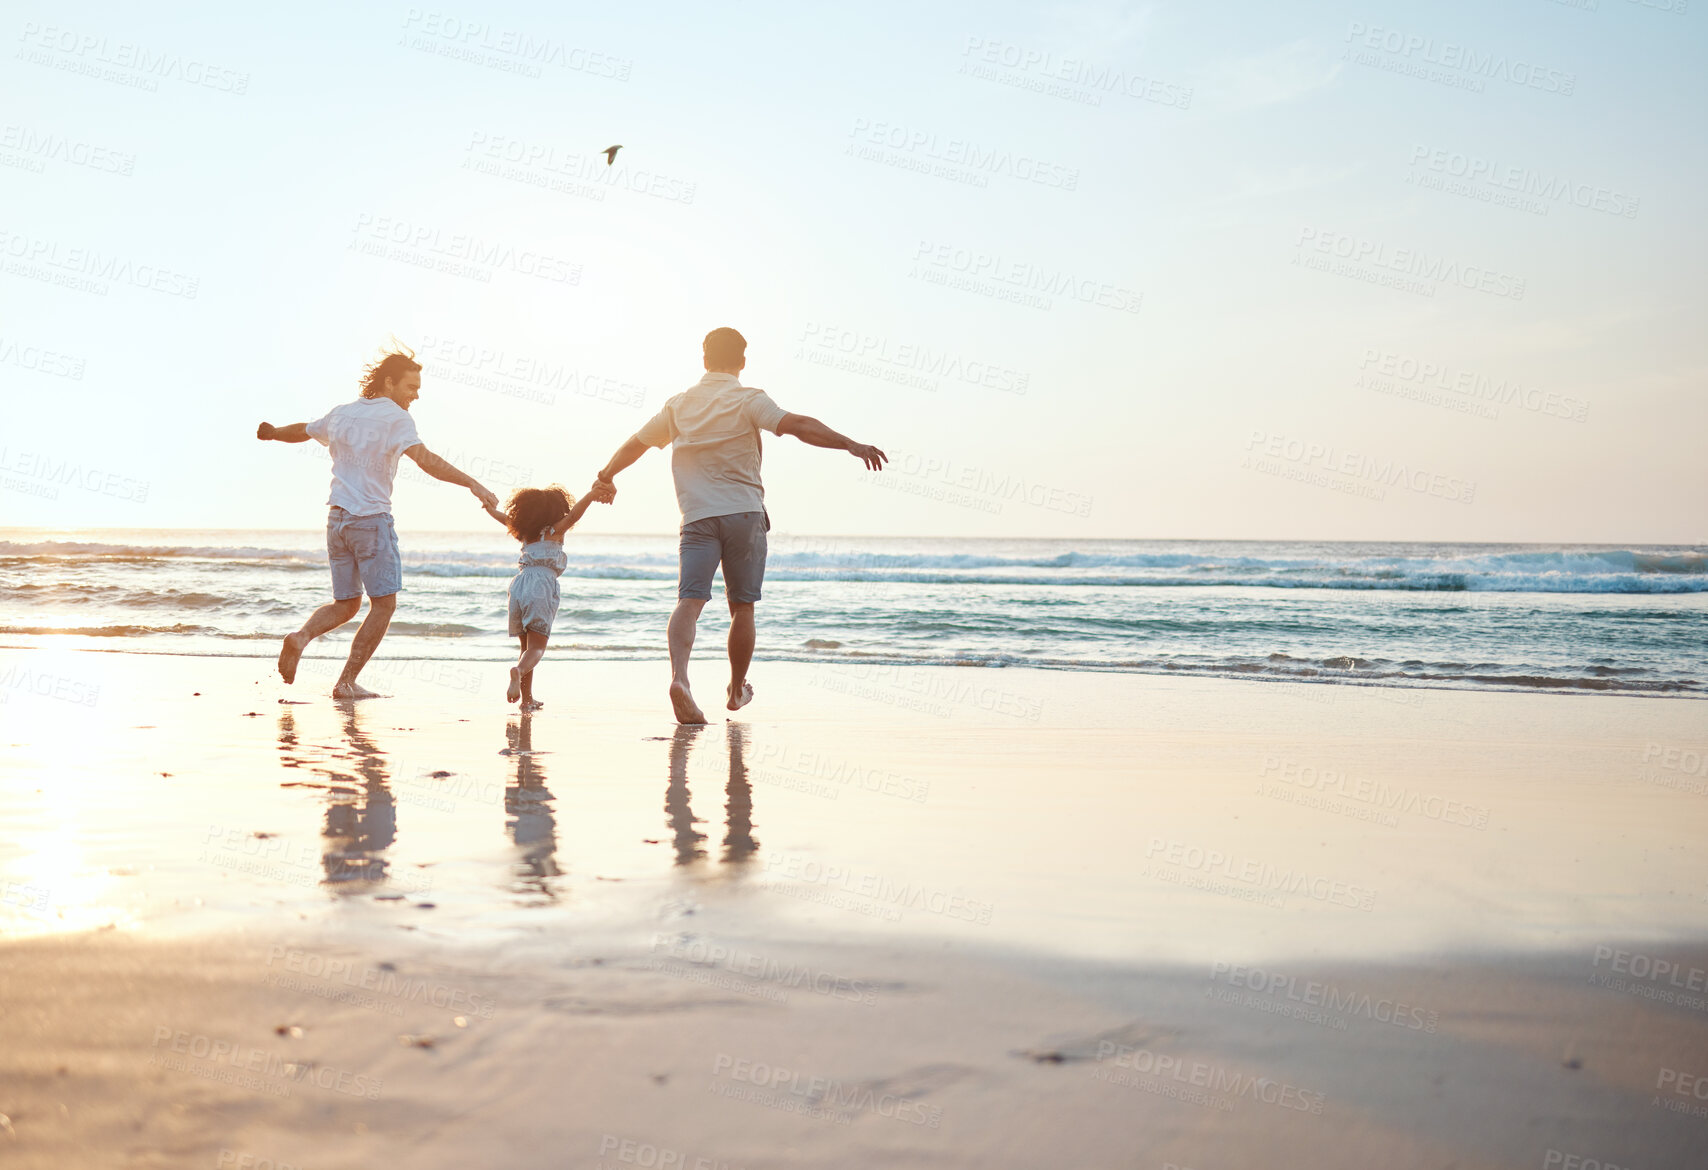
[(365, 438), (714, 428)]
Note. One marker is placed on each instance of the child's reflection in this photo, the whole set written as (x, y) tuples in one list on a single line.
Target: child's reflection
[(528, 813)]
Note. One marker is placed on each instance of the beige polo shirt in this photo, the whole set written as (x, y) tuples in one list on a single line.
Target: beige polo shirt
[(714, 426)]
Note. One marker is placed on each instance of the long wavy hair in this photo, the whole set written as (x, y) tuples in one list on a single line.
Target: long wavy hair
[(530, 511), (393, 363)]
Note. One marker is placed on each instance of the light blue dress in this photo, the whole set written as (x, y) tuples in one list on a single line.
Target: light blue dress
[(533, 591)]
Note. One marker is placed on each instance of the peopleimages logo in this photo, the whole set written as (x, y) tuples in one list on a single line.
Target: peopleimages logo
[(1210, 1077), (43, 361), (1467, 385), (252, 1066), (83, 52), (456, 253), (1452, 164), (1421, 51), (88, 269), (1409, 262), (1395, 798), (48, 147), (52, 473), (1371, 470), (1073, 78), (1317, 994), (907, 363), (1020, 278), (824, 1094), (1259, 874), (471, 40), (962, 153), (381, 981)]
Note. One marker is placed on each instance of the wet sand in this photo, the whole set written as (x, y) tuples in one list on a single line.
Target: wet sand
[(909, 917)]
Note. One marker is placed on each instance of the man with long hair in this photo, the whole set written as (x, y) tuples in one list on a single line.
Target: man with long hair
[(713, 427), (365, 438)]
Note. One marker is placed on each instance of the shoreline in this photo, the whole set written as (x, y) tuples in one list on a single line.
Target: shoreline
[(562, 654)]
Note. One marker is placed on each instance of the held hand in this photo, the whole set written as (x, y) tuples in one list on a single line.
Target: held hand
[(488, 499), (602, 491), (873, 458), (265, 431)]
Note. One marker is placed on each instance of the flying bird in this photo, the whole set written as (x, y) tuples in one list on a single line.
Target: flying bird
[(611, 153)]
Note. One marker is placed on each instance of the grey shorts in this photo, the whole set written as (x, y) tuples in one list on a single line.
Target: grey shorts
[(364, 556), (533, 602), (738, 543)]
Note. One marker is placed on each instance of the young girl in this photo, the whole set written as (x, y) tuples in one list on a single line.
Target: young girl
[(538, 517)]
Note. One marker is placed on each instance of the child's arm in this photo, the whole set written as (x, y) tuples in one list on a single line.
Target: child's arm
[(570, 521), (497, 515), (294, 433)]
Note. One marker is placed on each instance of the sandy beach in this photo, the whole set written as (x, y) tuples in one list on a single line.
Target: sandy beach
[(892, 915), (1195, 510)]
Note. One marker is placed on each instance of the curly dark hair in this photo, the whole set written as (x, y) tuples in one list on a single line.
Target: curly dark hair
[(394, 363), (530, 511)]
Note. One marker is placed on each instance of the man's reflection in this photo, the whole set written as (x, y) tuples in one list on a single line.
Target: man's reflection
[(528, 813), (738, 842), (361, 815)]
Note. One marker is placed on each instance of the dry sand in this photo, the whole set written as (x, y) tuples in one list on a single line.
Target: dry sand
[(913, 917)]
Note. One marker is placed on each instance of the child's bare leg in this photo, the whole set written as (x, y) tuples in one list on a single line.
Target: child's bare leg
[(514, 691), (522, 674)]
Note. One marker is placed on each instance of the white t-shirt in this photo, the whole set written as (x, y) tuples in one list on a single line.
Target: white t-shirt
[(365, 437), (715, 427)]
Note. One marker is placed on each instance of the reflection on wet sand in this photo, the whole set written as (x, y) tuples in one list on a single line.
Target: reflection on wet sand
[(738, 843), (528, 814), (360, 820), (361, 813)]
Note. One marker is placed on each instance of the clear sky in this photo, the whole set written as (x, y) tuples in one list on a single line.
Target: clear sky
[(1427, 271)]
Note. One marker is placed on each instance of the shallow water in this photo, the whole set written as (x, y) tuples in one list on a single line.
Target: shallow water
[(1631, 620)]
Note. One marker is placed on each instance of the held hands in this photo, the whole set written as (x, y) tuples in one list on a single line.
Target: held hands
[(488, 499), (603, 491), (873, 458)]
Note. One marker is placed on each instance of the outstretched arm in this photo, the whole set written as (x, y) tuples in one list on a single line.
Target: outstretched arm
[(294, 433), (600, 493), (626, 454), (440, 469), (814, 433)]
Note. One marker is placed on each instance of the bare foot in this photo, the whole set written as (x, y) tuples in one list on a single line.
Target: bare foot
[(352, 690), (532, 705), (682, 699), (738, 700), (515, 691), (289, 654)]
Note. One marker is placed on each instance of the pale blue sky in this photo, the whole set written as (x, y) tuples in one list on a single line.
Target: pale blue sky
[(1230, 405)]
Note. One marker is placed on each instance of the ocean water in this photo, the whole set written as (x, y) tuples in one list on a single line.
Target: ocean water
[(1566, 618)]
